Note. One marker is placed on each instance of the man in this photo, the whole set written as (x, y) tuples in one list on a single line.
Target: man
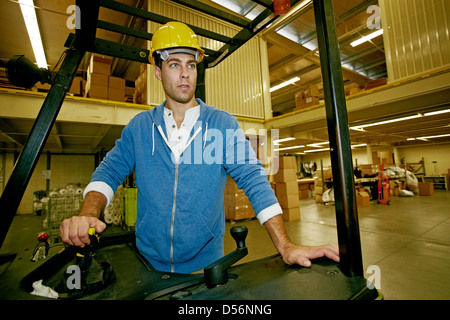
[(182, 152)]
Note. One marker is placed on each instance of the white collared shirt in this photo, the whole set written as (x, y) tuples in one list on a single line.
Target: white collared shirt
[(178, 137)]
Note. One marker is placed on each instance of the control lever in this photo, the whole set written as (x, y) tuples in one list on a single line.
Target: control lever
[(217, 272)]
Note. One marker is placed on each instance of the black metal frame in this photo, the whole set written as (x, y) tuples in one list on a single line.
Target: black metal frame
[(85, 40)]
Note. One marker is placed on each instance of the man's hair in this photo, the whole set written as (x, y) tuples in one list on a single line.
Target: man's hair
[(158, 60)]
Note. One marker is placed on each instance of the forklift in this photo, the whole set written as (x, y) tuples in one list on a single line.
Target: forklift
[(125, 274)]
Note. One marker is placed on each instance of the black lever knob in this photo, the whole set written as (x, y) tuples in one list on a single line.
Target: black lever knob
[(239, 233)]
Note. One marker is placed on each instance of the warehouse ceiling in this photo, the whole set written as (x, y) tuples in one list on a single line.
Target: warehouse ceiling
[(292, 52)]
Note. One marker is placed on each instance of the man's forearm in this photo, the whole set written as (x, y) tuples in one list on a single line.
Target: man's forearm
[(277, 232), (94, 203)]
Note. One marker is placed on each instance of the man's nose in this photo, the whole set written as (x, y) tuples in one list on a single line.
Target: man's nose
[(184, 73)]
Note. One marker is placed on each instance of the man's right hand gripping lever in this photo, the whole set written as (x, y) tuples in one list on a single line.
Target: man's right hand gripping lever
[(75, 230)]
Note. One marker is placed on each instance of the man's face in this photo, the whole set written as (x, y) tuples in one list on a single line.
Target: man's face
[(179, 77)]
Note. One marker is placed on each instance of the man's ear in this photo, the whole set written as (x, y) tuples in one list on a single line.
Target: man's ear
[(157, 72)]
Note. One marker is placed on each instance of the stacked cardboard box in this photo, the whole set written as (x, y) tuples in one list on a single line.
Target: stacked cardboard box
[(307, 97), (368, 170), (319, 188), (77, 87), (304, 189), (362, 197), (140, 85), (352, 89), (237, 205), (116, 89), (286, 188), (97, 79)]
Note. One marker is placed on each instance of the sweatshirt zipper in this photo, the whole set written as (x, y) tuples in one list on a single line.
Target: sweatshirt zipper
[(173, 216), (172, 267)]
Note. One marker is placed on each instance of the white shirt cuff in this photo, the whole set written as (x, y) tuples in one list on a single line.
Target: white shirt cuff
[(101, 187), (269, 213)]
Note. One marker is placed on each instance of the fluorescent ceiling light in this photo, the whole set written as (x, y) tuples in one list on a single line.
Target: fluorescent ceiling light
[(367, 38), (288, 148), (284, 84), (283, 140), (317, 150), (359, 128), (29, 15), (431, 137), (432, 113), (317, 144), (359, 145)]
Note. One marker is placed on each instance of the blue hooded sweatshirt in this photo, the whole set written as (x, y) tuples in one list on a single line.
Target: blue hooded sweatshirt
[(180, 207)]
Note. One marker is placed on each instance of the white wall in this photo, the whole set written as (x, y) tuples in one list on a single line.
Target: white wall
[(439, 153)]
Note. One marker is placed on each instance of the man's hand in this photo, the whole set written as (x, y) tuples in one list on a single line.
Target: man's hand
[(75, 231), (291, 253), (300, 255)]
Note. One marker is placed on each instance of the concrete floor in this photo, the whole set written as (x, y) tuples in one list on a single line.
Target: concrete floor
[(409, 240)]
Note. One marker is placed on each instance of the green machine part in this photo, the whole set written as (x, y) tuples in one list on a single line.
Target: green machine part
[(130, 206)]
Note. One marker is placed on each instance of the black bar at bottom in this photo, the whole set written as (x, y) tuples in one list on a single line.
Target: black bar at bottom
[(339, 136), (24, 167)]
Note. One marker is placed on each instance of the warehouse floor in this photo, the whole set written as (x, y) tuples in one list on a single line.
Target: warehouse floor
[(409, 240)]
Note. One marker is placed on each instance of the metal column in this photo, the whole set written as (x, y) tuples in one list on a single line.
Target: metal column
[(338, 132), (18, 181)]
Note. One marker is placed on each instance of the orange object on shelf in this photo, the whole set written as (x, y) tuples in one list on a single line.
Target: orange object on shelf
[(281, 6)]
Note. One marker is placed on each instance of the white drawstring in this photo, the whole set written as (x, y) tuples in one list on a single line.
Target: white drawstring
[(206, 132), (153, 138)]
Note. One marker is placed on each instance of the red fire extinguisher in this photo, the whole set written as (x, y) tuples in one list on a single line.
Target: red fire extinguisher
[(281, 6)]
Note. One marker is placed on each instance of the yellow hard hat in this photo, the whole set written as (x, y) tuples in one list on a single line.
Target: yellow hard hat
[(175, 35)]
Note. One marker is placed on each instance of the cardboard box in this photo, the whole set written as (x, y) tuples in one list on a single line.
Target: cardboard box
[(100, 64), (288, 201), (287, 163), (116, 82), (236, 203), (77, 86), (318, 190), (318, 183), (304, 185), (362, 199), (286, 188), (426, 188), (327, 174), (116, 94), (97, 79), (368, 170), (291, 214), (318, 198), (302, 103), (97, 92), (304, 194), (285, 175)]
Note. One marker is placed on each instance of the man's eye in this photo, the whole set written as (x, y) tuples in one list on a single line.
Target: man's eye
[(192, 66), (173, 65)]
